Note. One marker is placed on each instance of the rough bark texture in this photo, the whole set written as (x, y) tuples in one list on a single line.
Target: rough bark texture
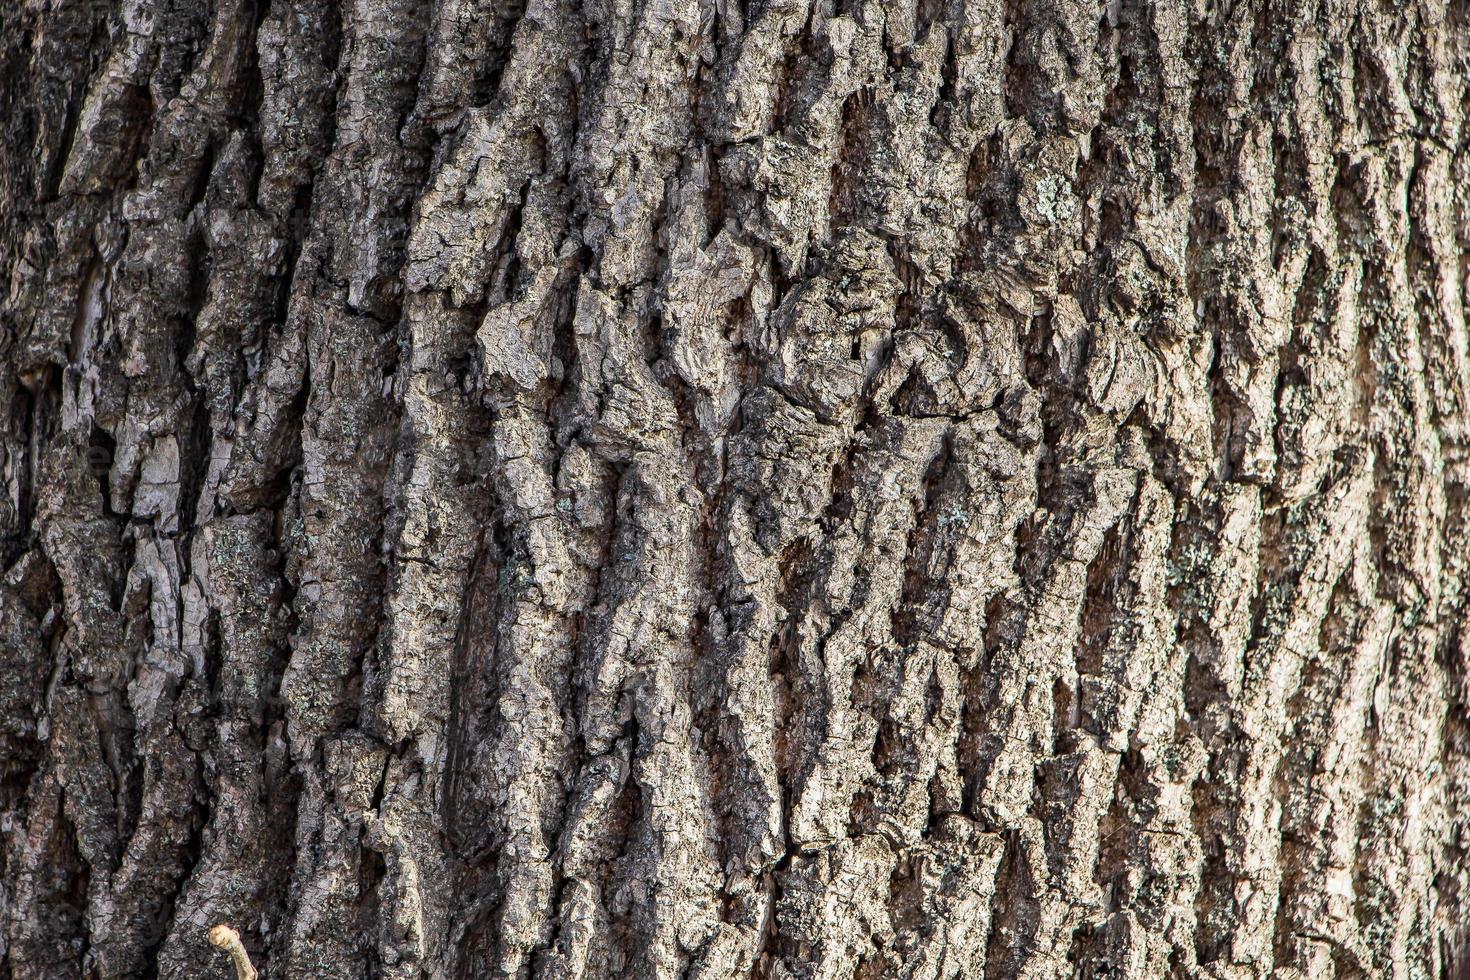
[(735, 488)]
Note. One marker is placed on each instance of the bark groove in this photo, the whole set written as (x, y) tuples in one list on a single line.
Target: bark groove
[(823, 489)]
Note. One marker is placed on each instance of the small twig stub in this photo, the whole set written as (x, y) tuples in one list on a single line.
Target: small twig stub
[(228, 940)]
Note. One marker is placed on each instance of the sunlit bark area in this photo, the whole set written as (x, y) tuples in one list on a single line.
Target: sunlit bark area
[(712, 489)]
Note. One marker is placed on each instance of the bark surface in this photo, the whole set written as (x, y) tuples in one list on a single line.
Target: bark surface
[(822, 489)]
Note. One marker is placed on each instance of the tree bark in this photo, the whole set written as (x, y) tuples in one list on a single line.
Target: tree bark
[(833, 489)]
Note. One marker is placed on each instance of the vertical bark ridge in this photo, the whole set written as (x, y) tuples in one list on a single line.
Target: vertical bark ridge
[(691, 488)]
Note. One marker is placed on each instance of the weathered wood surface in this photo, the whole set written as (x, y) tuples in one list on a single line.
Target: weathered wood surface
[(713, 489)]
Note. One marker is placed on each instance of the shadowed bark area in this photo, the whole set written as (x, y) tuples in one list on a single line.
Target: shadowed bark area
[(772, 489)]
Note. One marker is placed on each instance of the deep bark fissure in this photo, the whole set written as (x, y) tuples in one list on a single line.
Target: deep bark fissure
[(698, 489)]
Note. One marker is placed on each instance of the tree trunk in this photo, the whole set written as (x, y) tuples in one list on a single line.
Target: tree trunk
[(723, 489)]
